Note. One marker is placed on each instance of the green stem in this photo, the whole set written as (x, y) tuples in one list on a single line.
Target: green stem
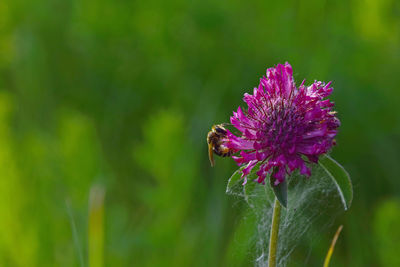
[(273, 240)]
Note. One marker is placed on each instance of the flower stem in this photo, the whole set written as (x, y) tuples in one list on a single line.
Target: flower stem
[(273, 240)]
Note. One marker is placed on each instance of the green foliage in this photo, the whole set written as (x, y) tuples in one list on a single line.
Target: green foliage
[(236, 180), (172, 176), (340, 177)]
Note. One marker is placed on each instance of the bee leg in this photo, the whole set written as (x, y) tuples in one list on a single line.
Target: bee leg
[(211, 155)]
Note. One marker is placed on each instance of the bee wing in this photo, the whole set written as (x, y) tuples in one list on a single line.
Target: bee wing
[(224, 124), (211, 155), (228, 126)]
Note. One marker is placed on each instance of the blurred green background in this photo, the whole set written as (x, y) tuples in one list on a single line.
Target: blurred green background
[(112, 100)]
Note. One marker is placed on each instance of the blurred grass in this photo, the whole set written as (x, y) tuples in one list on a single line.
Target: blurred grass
[(122, 94), (96, 226), (386, 233)]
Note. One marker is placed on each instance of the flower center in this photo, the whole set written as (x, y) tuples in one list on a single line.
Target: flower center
[(283, 129)]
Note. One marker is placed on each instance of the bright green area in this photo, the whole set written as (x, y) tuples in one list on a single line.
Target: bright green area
[(120, 95)]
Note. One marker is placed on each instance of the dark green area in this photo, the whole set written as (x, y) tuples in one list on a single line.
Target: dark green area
[(121, 94), (280, 191)]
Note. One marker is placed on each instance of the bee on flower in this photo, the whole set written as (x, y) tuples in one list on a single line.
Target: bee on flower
[(216, 143), (284, 127)]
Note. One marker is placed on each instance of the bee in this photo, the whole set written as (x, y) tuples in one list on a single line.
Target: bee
[(216, 143)]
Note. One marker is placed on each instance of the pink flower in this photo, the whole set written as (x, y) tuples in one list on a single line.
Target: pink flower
[(284, 126)]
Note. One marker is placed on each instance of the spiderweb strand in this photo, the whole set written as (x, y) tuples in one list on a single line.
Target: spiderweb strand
[(312, 202)]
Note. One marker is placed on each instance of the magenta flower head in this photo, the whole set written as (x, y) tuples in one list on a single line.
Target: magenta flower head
[(284, 126)]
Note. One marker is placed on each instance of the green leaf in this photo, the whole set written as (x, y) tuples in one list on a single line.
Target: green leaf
[(234, 179), (340, 177), (280, 191), (249, 186)]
